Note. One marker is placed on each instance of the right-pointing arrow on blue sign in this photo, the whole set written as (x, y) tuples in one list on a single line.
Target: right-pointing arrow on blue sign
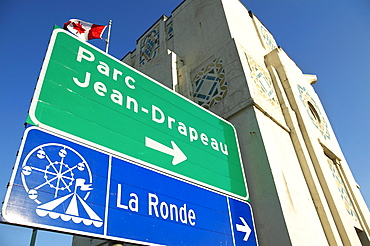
[(244, 228)]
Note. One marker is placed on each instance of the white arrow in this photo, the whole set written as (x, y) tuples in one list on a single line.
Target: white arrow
[(244, 228), (175, 151)]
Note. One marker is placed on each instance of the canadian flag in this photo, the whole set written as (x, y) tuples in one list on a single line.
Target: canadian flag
[(84, 30)]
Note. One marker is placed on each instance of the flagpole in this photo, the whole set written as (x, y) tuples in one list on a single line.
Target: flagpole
[(108, 38)]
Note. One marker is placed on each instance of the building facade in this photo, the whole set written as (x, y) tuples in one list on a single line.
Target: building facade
[(220, 55)]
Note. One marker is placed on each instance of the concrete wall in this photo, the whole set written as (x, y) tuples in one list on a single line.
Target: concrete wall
[(341, 208)]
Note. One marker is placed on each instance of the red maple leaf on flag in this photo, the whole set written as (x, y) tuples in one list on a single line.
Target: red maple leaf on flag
[(78, 27)]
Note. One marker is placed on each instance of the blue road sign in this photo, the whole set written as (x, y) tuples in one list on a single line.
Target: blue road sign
[(62, 185)]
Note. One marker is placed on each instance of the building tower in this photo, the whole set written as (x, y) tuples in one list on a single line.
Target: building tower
[(222, 57)]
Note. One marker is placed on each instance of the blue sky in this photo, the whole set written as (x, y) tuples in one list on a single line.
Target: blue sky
[(327, 38)]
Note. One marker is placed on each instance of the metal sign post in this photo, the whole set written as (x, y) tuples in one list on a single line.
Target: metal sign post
[(33, 237)]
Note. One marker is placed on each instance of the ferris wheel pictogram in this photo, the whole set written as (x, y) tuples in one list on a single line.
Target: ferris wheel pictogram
[(57, 164), (59, 179)]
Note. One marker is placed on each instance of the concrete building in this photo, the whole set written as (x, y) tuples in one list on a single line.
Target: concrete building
[(220, 55)]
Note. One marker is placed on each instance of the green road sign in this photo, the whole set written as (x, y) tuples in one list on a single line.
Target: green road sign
[(85, 93)]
